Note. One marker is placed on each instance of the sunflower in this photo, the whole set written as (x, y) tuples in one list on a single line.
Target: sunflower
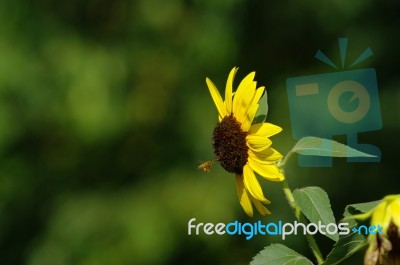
[(241, 147), (384, 245)]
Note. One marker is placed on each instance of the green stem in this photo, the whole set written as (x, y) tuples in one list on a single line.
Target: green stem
[(300, 217), (290, 198), (282, 163)]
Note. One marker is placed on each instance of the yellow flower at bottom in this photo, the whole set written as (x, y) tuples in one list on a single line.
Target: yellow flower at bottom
[(384, 249), (241, 147)]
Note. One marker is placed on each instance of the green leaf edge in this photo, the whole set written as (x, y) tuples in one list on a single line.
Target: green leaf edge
[(302, 141), (281, 248)]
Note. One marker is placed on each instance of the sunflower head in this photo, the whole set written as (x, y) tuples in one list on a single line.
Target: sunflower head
[(241, 147), (384, 249)]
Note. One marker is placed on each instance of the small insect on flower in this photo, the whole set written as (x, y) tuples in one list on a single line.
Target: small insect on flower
[(206, 166)]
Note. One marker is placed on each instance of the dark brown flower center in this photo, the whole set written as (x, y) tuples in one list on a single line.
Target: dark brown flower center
[(393, 234), (229, 142)]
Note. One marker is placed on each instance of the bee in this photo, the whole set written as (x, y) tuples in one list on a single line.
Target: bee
[(206, 166)]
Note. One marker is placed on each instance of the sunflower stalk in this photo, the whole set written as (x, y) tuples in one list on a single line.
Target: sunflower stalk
[(301, 218)]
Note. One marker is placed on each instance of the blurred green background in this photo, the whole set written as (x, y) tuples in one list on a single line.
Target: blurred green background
[(105, 115)]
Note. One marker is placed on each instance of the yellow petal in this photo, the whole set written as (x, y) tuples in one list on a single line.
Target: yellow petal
[(265, 129), (258, 143), (247, 80), (243, 102), (395, 211), (390, 198), (258, 94), (260, 207), (269, 172), (216, 97), (243, 196), (381, 216), (251, 113), (252, 185), (228, 90), (267, 156), (252, 110), (243, 97)]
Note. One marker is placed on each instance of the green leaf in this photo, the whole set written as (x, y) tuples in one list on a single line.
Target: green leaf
[(262, 111), (360, 207), (316, 146), (349, 244), (277, 254), (346, 246), (315, 205)]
